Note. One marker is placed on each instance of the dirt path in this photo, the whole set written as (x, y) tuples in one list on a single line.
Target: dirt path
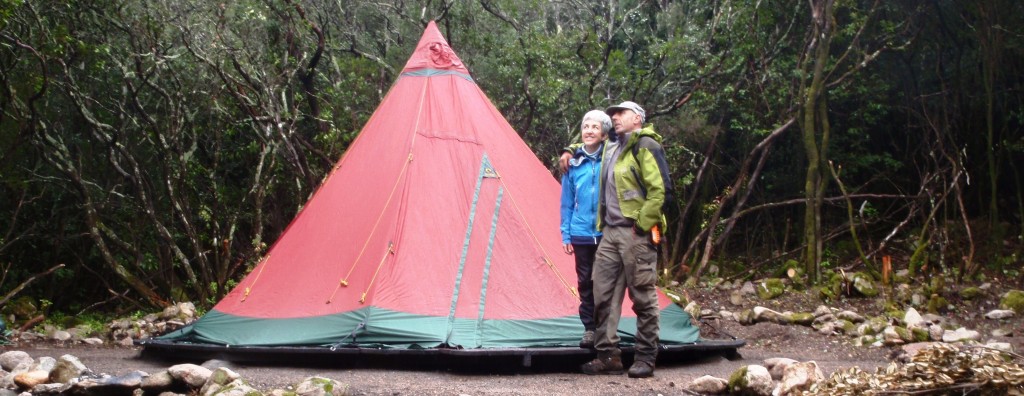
[(488, 377)]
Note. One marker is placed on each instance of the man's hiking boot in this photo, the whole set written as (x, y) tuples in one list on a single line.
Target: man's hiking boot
[(641, 369), (604, 365), (588, 339)]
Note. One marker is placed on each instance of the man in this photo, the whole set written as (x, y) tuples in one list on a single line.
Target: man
[(634, 176)]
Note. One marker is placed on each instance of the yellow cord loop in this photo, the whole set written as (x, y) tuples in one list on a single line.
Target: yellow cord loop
[(251, 285), (390, 251), (344, 281), (536, 241)]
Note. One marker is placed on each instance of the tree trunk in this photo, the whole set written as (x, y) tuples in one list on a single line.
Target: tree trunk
[(814, 127)]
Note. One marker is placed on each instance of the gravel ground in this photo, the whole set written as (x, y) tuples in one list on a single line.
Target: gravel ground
[(547, 375)]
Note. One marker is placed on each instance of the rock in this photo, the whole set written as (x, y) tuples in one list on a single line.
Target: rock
[(762, 314), (935, 332), (45, 363), (850, 316), (822, 310), (799, 377), (751, 380), (188, 310), (240, 388), (170, 312), (917, 300), (192, 375), (157, 382), (920, 334), (92, 341), (960, 335), (319, 386), (67, 368), (693, 309), (933, 319), (736, 298), (891, 337), (770, 288), (708, 385), (908, 351), (912, 318), (51, 389), (1002, 333), (30, 379), (748, 289), (746, 317), (220, 378), (820, 321), (108, 385), (864, 285), (776, 366), (1001, 346), (10, 360), (970, 293), (802, 318), (1000, 314), (1013, 300), (726, 315), (845, 326), (61, 335)]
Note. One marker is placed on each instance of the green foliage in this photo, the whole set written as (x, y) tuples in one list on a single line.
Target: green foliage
[(188, 128)]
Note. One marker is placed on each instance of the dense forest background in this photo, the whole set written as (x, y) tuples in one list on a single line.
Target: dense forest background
[(150, 151)]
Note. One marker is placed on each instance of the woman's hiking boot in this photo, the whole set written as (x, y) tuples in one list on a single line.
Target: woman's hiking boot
[(641, 369), (604, 364), (588, 339)]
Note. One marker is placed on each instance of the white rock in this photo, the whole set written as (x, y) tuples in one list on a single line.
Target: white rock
[(800, 377), (193, 375), (1002, 333), (851, 316), (708, 385), (935, 332), (61, 335), (912, 318), (776, 366), (1000, 314), (68, 367), (891, 337), (317, 386), (822, 310), (748, 289), (1002, 346), (10, 360), (92, 341), (759, 381), (960, 335), (762, 314)]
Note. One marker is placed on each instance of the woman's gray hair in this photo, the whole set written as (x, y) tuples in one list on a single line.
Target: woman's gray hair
[(600, 117)]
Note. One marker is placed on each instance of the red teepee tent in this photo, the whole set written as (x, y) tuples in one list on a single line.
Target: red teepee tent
[(438, 228)]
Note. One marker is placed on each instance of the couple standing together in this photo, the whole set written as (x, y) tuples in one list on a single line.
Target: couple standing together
[(613, 188)]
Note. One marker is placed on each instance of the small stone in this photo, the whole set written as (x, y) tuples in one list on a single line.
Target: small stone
[(748, 289), (708, 385), (1000, 314), (752, 379), (192, 375), (30, 379), (799, 377), (912, 318), (776, 366), (1002, 333), (61, 335), (822, 310), (67, 368), (92, 341), (736, 298), (1001, 346), (960, 335), (850, 316)]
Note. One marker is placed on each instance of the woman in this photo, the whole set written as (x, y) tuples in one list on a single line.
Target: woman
[(580, 189)]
